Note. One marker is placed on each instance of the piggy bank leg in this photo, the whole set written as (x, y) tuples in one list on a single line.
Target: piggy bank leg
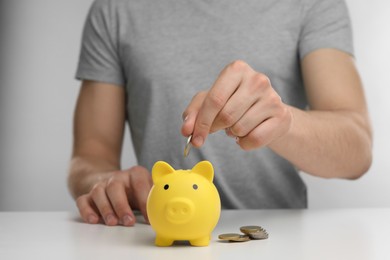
[(162, 241), (203, 241)]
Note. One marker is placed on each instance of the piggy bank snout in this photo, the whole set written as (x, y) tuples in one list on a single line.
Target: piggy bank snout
[(179, 210)]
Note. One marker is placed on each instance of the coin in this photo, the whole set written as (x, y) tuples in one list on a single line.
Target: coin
[(234, 237), (241, 238), (187, 148), (250, 229), (259, 235), (229, 236)]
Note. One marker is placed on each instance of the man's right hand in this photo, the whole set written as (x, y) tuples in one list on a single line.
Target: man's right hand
[(104, 192), (112, 199)]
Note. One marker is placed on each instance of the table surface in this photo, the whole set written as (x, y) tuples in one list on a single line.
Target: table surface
[(293, 234)]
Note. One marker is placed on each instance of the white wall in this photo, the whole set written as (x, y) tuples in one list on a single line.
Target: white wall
[(39, 51)]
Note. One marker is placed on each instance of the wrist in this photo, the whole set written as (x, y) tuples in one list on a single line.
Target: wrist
[(289, 132), (85, 174)]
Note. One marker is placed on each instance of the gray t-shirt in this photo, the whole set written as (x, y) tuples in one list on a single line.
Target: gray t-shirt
[(164, 51)]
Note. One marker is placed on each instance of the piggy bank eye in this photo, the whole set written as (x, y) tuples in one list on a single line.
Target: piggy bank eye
[(166, 186), (195, 186)]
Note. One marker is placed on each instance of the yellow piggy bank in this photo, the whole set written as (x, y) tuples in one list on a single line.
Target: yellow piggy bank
[(183, 204)]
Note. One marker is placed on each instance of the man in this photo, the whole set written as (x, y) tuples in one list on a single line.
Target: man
[(277, 76)]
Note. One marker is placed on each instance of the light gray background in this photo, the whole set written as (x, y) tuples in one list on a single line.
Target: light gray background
[(39, 49)]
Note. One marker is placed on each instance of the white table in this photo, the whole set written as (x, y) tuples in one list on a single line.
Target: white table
[(294, 234)]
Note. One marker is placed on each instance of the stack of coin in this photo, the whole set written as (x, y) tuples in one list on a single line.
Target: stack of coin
[(250, 232), (254, 232)]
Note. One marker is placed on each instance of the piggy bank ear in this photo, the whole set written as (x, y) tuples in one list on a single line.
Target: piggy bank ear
[(204, 168), (160, 169)]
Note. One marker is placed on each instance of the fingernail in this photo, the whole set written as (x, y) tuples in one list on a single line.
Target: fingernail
[(92, 219), (197, 141), (185, 118), (110, 219), (127, 220), (229, 132)]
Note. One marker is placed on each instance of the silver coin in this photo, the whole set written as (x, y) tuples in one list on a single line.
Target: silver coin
[(259, 235), (188, 146)]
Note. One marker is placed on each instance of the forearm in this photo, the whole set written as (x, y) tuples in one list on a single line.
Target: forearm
[(329, 144), (85, 172), (99, 123)]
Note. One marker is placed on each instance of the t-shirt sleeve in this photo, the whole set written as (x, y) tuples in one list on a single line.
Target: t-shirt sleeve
[(99, 56), (326, 24)]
